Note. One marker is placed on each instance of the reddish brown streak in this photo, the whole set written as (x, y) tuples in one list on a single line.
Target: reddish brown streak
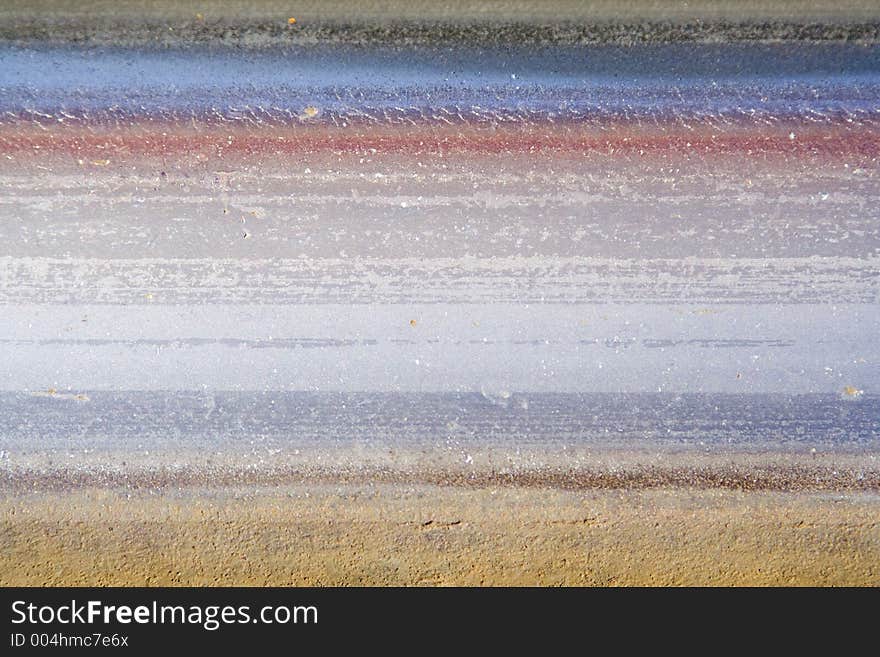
[(152, 140)]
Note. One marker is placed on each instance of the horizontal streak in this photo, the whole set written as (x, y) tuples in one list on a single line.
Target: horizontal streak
[(92, 200), (485, 30), (721, 86), (780, 478), (175, 426), (468, 12), (324, 343), (58, 351), (466, 280), (694, 136)]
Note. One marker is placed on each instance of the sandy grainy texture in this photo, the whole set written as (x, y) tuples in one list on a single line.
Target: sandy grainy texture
[(458, 10), (429, 535), (750, 474), (246, 24)]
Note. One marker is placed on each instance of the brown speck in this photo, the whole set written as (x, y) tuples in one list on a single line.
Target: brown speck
[(412, 323)]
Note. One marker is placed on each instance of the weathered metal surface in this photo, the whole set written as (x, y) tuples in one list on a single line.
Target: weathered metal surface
[(523, 262)]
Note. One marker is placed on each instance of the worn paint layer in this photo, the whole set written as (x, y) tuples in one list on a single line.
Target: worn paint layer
[(494, 292)]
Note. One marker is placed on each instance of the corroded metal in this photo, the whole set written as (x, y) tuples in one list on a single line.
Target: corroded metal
[(440, 280)]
